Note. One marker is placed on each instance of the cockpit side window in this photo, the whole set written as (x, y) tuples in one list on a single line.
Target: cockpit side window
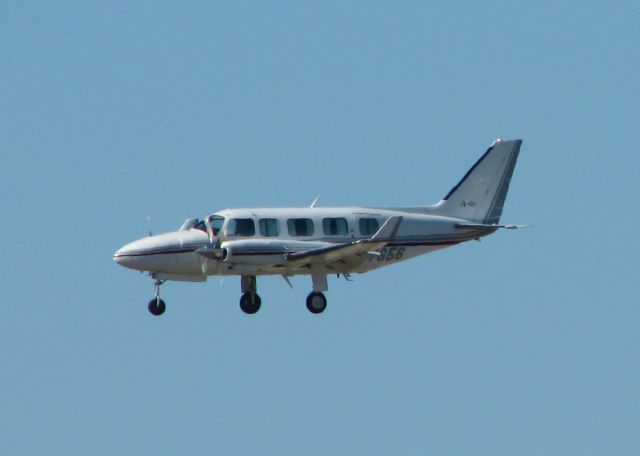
[(241, 227), (216, 223)]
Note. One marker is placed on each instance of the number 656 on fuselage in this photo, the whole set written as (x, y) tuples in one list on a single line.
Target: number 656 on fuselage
[(321, 241)]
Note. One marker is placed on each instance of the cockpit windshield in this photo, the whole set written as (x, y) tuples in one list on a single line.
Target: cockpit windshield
[(215, 221)]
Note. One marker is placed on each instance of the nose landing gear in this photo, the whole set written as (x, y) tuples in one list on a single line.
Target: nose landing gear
[(156, 305)]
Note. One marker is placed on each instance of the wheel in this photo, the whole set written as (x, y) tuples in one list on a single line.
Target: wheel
[(157, 306), (250, 302), (316, 302)]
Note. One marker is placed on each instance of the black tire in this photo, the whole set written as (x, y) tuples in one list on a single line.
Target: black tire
[(316, 302), (157, 307), (250, 303)]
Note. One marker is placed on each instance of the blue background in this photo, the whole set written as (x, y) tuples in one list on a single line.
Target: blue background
[(525, 343)]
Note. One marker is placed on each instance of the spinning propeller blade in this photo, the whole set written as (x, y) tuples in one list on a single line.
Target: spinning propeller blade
[(210, 250), (207, 223)]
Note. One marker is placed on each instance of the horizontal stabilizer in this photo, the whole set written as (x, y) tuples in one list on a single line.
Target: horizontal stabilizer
[(488, 225)]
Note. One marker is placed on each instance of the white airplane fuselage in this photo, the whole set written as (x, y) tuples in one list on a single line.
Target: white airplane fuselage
[(175, 255)]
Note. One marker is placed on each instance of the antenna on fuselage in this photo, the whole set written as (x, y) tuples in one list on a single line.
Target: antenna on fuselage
[(315, 201), (149, 225)]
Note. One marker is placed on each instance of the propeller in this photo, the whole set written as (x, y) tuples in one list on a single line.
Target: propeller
[(207, 224), (210, 250)]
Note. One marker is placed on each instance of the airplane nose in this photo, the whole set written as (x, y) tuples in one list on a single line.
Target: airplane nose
[(117, 256), (161, 253), (134, 255), (124, 256)]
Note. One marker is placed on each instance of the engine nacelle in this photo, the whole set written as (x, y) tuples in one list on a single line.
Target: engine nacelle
[(253, 251)]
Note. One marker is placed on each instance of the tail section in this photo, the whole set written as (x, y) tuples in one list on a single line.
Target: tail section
[(480, 195)]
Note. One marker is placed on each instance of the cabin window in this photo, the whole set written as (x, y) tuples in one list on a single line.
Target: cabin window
[(335, 227), (300, 227), (269, 227), (368, 226), (241, 227)]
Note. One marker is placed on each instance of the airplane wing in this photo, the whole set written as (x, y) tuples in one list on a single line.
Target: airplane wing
[(348, 251)]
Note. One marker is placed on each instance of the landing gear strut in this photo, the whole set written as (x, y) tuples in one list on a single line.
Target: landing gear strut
[(250, 300), (157, 305)]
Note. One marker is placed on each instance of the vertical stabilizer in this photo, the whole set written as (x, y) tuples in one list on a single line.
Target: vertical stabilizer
[(480, 195)]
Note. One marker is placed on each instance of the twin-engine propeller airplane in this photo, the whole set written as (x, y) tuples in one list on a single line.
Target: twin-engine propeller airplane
[(319, 241)]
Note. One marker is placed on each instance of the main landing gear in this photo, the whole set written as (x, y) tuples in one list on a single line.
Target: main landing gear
[(250, 300), (157, 305), (316, 302), (250, 303)]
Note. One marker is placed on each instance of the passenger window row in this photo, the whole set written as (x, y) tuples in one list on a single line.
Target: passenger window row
[(270, 227)]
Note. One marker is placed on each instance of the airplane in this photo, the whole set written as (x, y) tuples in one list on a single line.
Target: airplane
[(321, 241)]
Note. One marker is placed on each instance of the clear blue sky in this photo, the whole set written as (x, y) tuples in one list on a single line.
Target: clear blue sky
[(526, 343)]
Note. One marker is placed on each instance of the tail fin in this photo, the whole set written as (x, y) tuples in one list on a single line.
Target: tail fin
[(480, 195)]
